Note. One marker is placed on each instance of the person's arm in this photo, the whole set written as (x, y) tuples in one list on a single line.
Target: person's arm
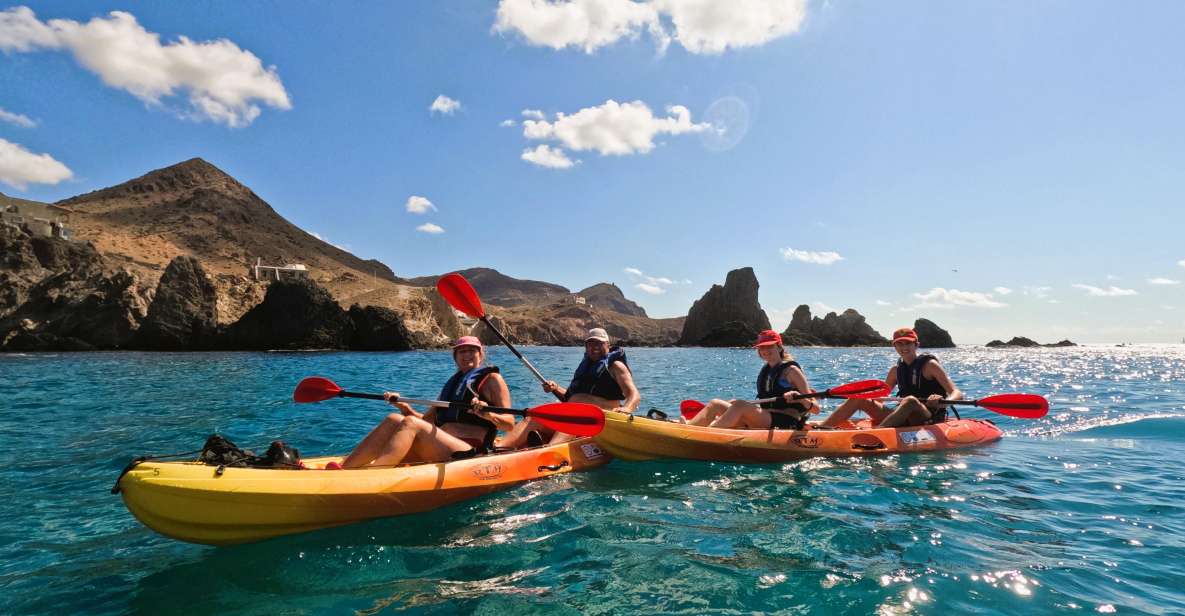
[(891, 378), (625, 380), (392, 398), (797, 379), (935, 371), (552, 387), (494, 389)]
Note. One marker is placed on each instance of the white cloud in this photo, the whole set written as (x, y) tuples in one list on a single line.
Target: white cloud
[(430, 228), (1002, 290), (612, 128), (444, 105), (881, 302), (533, 114), (419, 205), (654, 285), (700, 26), (1038, 292), (224, 83), (939, 297), (1108, 292), (20, 167), (1181, 262), (821, 309), (810, 256), (506, 123), (1112, 277), (18, 119), (547, 156), (1163, 281), (712, 27)]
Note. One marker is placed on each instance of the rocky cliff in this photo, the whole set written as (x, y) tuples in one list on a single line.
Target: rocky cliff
[(932, 336), (847, 329), (1022, 342), (728, 315)]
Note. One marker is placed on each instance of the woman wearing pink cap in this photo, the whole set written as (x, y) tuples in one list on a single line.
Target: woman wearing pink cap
[(917, 378), (782, 377), (442, 434)]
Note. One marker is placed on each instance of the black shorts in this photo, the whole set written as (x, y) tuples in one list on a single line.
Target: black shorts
[(788, 420)]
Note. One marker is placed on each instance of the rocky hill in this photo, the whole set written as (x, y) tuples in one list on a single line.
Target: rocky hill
[(195, 209), (494, 287), (609, 297)]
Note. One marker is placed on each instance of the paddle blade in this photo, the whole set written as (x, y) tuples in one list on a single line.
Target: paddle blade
[(573, 418), (690, 408), (315, 389), (861, 389), (460, 295), (1023, 406)]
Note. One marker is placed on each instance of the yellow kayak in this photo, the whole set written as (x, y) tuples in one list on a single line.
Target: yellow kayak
[(631, 437), (190, 501)]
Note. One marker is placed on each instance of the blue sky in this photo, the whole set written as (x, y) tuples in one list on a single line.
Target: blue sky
[(856, 154)]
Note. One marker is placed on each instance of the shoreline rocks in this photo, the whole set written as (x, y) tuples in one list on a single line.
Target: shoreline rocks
[(849, 329), (931, 336), (1026, 343)]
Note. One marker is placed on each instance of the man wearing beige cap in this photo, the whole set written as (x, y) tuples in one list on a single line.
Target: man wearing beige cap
[(603, 378)]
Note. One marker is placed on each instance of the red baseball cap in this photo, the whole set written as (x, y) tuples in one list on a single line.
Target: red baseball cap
[(767, 338), (905, 334)]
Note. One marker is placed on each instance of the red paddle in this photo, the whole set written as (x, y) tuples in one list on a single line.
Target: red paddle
[(573, 418), (461, 295), (1021, 406), (860, 389)]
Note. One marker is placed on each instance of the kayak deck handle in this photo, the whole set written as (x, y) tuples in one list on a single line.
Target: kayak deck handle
[(553, 467)]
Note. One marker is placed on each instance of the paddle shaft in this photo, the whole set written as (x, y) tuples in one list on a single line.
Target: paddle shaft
[(505, 341), (817, 394), (1003, 405), (435, 403)]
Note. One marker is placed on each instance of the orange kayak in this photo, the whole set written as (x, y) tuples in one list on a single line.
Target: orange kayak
[(191, 502), (631, 437)]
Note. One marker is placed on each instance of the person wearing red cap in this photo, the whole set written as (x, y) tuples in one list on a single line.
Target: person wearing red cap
[(780, 377), (441, 434), (917, 378)]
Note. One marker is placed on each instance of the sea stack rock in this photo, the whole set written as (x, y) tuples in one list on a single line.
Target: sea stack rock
[(728, 315), (1017, 341), (295, 314), (844, 330), (378, 329), (184, 313), (931, 336)]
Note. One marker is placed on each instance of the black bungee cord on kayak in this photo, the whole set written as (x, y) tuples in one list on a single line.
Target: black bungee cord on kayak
[(221, 452)]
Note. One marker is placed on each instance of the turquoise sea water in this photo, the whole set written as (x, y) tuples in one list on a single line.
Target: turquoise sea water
[(1080, 512)]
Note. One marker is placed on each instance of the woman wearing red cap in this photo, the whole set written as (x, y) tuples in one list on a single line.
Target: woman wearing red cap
[(441, 434), (781, 376), (917, 378)]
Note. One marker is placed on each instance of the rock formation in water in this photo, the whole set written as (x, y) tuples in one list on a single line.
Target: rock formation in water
[(295, 314), (931, 336), (378, 329), (728, 315), (184, 312), (845, 330), (1022, 342), (62, 295)]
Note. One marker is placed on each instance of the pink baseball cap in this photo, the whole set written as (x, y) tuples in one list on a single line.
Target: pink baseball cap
[(464, 341)]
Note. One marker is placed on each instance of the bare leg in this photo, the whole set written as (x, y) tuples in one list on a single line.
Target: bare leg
[(873, 409), (518, 436), (709, 413), (911, 412), (741, 414), (375, 442)]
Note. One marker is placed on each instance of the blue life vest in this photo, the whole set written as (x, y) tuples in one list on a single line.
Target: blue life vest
[(911, 382), (594, 377), (460, 388), (772, 384)]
